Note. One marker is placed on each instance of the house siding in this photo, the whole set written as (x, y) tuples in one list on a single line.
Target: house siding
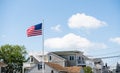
[(61, 58), (67, 61), (34, 60), (56, 59), (71, 62), (46, 70)]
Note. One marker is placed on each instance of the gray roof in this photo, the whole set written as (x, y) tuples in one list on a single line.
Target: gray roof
[(67, 52)]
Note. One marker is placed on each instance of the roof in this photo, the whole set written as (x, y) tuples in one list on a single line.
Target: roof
[(38, 55), (2, 64), (56, 66), (67, 52), (73, 69), (60, 53), (56, 56)]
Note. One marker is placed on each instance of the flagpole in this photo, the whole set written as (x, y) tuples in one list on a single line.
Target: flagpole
[(43, 47)]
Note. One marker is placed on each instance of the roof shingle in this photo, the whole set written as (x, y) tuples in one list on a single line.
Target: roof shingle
[(73, 69), (56, 66)]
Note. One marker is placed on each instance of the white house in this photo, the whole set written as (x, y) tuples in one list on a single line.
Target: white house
[(34, 59), (98, 65), (56, 62), (67, 58), (50, 67), (62, 62)]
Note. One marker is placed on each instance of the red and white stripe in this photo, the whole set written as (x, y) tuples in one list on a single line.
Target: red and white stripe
[(32, 32)]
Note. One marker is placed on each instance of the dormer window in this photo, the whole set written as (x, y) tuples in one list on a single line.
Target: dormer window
[(31, 59), (71, 58)]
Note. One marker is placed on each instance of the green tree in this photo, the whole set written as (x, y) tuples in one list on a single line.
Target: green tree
[(13, 56), (87, 69)]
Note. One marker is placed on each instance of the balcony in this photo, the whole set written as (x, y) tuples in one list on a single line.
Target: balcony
[(81, 63)]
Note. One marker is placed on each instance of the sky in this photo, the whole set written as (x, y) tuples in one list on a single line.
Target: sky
[(91, 26)]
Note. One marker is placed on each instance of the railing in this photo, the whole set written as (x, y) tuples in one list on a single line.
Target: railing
[(81, 64)]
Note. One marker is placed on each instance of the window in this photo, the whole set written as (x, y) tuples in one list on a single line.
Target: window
[(71, 58), (3, 69), (82, 58), (39, 66), (31, 59), (50, 58), (83, 61), (79, 61), (79, 58)]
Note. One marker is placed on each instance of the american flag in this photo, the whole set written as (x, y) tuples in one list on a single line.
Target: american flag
[(34, 30)]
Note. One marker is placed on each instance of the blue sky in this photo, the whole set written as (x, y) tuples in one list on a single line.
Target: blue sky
[(91, 26)]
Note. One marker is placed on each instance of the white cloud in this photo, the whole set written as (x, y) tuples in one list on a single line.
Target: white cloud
[(84, 21), (56, 28), (72, 41), (116, 40)]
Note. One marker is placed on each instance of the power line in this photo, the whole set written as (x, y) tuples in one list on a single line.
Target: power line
[(109, 57), (113, 52)]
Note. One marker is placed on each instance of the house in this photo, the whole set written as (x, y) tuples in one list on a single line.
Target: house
[(67, 58), (118, 68), (98, 65), (50, 67), (63, 62), (56, 62), (106, 69), (2, 65), (34, 59)]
